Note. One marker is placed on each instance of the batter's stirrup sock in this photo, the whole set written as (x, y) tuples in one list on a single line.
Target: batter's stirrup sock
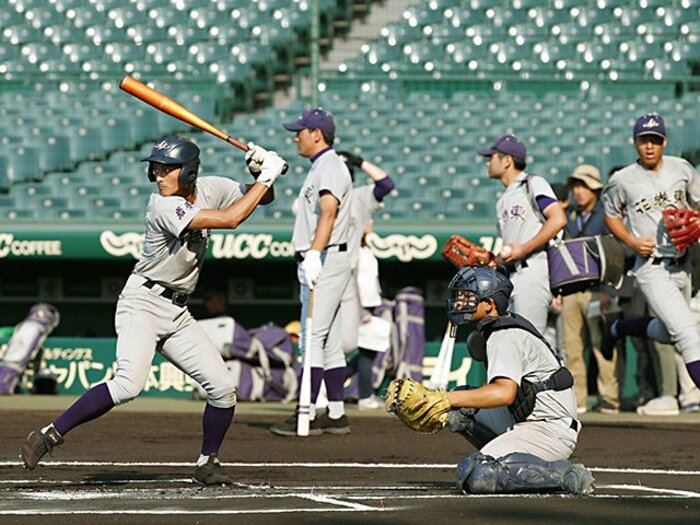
[(636, 327), (694, 372), (215, 424), (92, 404)]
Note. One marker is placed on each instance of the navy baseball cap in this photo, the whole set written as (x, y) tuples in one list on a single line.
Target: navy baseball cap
[(650, 124), (506, 144), (313, 118)]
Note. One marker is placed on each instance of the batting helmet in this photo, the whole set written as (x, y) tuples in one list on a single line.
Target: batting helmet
[(473, 284), (175, 151)]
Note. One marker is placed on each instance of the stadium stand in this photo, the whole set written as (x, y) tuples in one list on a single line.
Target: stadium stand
[(568, 76)]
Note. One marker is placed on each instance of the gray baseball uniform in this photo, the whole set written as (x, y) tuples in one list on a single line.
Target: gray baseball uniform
[(328, 173), (146, 320), (364, 204), (548, 432), (641, 195), (517, 223)]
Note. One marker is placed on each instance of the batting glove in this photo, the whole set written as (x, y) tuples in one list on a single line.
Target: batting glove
[(311, 267), (272, 167), (254, 158)]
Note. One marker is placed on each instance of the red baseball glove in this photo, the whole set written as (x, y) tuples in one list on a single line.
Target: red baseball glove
[(461, 252), (683, 227)]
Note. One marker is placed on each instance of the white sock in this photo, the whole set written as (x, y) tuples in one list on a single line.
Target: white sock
[(336, 409), (203, 460), (312, 412)]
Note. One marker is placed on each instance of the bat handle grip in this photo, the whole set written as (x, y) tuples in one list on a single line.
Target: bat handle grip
[(236, 143)]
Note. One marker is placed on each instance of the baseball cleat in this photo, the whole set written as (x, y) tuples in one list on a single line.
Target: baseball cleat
[(212, 473), (327, 425), (289, 427), (37, 445)]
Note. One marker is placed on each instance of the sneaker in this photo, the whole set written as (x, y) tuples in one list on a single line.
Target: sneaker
[(605, 407), (37, 445), (327, 425), (212, 473), (690, 407), (370, 403), (289, 427), (659, 406), (581, 410)]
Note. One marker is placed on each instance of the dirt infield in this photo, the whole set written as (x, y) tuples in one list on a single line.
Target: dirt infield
[(134, 466)]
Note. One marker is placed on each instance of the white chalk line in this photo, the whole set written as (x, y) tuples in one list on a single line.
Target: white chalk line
[(643, 488), (178, 464), (173, 512)]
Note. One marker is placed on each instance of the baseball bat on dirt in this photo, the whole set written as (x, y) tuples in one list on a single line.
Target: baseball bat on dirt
[(167, 105), (304, 413)]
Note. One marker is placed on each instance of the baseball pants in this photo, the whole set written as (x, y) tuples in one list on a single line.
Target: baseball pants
[(550, 440), (531, 296), (350, 315), (326, 348), (667, 289), (145, 322)]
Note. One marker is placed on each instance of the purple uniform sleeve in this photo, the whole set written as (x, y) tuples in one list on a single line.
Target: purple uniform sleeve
[(543, 201), (382, 187)]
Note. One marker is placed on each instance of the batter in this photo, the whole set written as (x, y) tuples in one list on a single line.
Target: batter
[(152, 313)]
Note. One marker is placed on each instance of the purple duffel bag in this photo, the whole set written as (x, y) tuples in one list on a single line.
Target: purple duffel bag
[(574, 265)]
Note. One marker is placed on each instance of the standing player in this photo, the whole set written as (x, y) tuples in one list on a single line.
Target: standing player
[(643, 190), (152, 309), (320, 242), (366, 200), (523, 420), (529, 216)]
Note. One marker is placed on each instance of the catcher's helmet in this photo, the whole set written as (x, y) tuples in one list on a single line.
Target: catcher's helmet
[(473, 284), (175, 151)]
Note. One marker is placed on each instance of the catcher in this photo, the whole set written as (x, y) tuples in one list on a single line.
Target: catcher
[(523, 421), (647, 208)]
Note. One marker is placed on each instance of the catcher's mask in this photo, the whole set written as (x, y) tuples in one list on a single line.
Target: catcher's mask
[(175, 151), (472, 285)]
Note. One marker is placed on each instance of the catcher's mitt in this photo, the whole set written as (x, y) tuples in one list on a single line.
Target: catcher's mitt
[(419, 408), (683, 227), (461, 252)]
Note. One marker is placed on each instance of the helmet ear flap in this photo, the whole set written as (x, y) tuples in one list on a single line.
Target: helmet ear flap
[(151, 174), (189, 172)]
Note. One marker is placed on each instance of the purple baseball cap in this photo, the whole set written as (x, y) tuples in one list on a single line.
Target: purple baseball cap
[(506, 144), (650, 124), (313, 118)]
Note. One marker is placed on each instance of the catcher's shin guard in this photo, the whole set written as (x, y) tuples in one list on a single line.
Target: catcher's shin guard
[(520, 472)]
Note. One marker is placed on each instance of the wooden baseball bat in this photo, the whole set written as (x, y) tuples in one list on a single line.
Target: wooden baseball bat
[(304, 415), (167, 105)]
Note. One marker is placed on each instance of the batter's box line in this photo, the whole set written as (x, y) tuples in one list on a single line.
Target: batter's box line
[(180, 464)]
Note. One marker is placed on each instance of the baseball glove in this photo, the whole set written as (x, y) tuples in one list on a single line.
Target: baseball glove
[(461, 252), (419, 408), (683, 227)]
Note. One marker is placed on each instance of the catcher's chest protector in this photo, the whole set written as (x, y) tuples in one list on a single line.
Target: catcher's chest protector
[(525, 397)]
